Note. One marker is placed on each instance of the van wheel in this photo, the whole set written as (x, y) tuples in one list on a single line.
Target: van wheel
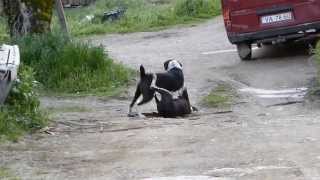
[(244, 51)]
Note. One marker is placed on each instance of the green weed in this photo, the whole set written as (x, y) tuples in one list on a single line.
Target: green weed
[(141, 15), (220, 97), (197, 8), (21, 112), (318, 62), (6, 174), (4, 35), (314, 91), (71, 66)]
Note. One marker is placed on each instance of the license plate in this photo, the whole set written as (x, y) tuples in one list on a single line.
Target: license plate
[(287, 16)]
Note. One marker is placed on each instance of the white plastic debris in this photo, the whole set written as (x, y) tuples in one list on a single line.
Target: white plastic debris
[(9, 65)]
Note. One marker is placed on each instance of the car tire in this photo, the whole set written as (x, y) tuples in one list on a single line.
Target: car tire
[(244, 51)]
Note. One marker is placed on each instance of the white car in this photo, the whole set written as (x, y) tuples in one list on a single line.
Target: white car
[(9, 65)]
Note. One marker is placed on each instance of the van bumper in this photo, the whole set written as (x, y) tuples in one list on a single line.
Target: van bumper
[(278, 34)]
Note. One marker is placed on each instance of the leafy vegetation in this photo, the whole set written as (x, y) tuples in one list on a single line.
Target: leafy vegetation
[(140, 15), (6, 174), (220, 97), (65, 66), (318, 62), (314, 91), (60, 66), (21, 112), (4, 36)]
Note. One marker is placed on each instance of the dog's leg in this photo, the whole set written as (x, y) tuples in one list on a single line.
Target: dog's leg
[(136, 96), (180, 91), (156, 98), (186, 96), (166, 96), (140, 115), (165, 105), (154, 80), (162, 91)]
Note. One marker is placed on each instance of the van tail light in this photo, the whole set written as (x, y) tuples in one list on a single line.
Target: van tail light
[(227, 17)]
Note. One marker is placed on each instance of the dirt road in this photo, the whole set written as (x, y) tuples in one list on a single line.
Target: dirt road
[(267, 136)]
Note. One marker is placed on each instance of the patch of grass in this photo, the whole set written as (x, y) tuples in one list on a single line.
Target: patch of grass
[(6, 174), (73, 67), (4, 35), (21, 112), (314, 91), (318, 62), (220, 97), (141, 15)]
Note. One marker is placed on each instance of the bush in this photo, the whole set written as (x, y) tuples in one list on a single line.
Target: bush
[(141, 15), (197, 8), (21, 112), (71, 66), (4, 35), (318, 63)]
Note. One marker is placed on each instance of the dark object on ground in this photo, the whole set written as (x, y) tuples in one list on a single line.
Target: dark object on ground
[(270, 22), (152, 115), (113, 15), (286, 103), (76, 3), (172, 80), (170, 107)]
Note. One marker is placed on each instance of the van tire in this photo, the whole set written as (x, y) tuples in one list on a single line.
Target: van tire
[(244, 51)]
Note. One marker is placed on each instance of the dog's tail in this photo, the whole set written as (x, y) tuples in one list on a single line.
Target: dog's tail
[(142, 71)]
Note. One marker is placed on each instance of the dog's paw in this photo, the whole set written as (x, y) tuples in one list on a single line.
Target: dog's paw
[(140, 115), (133, 114), (136, 115)]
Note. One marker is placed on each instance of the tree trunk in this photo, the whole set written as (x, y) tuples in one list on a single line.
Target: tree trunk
[(28, 16), (62, 18), (1, 7)]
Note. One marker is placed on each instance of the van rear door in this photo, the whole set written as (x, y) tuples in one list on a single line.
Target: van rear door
[(243, 16)]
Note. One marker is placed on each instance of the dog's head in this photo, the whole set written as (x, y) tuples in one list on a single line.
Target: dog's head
[(145, 86), (171, 63)]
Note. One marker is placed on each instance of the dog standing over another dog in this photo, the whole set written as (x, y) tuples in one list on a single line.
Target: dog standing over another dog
[(164, 83)]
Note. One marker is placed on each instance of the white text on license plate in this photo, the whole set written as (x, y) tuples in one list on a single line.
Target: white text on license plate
[(276, 18)]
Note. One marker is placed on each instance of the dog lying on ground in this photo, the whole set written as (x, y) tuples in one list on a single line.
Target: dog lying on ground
[(172, 80), (172, 107)]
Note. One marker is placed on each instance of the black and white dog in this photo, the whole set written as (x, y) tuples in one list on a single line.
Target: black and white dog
[(171, 80), (168, 106)]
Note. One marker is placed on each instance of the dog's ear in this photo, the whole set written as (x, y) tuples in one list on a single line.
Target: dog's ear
[(165, 64), (142, 71), (180, 63)]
